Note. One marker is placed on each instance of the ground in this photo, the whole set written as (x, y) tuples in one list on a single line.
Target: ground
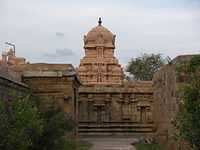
[(111, 143)]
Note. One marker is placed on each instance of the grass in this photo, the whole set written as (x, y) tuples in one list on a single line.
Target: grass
[(77, 145), (149, 147)]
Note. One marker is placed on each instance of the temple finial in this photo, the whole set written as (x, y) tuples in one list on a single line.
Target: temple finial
[(100, 21)]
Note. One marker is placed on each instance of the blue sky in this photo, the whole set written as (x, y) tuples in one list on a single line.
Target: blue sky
[(52, 31)]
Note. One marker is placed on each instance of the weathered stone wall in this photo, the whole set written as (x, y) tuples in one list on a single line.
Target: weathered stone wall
[(54, 89), (10, 89), (166, 102), (124, 110), (9, 73), (54, 83), (167, 87)]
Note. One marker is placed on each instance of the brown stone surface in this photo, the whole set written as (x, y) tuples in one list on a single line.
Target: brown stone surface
[(107, 104), (167, 96), (99, 66), (54, 83), (115, 110), (11, 89)]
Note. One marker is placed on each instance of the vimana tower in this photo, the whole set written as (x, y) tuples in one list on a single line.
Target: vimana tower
[(99, 66)]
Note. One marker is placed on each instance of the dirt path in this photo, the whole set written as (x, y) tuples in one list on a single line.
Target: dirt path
[(111, 143)]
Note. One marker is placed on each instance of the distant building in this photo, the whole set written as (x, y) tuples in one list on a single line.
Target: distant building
[(9, 58)]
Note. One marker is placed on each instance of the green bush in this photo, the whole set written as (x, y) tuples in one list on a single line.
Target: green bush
[(55, 126), (188, 120), (20, 124), (24, 127)]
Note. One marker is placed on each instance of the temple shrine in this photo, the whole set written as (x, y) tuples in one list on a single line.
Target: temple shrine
[(108, 104)]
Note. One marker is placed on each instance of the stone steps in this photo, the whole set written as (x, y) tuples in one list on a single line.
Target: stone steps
[(115, 129)]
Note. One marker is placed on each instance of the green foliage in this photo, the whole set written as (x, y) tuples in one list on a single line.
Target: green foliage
[(188, 120), (23, 127), (55, 126), (20, 124), (143, 67), (150, 147)]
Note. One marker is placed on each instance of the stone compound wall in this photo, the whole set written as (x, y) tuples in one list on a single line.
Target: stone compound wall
[(167, 85), (166, 103)]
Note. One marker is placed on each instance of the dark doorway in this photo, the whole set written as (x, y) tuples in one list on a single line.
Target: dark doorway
[(143, 114)]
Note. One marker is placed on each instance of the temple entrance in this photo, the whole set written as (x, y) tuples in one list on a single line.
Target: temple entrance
[(143, 114), (99, 115), (100, 112)]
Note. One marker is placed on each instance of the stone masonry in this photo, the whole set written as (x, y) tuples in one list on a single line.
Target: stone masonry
[(167, 102), (107, 104), (99, 66), (54, 83)]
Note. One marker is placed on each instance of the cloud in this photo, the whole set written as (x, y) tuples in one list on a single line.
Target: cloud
[(60, 53), (60, 34)]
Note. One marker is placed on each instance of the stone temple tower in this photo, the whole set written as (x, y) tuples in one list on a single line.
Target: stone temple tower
[(99, 65)]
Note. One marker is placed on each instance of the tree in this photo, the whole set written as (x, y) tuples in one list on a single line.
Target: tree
[(20, 124), (24, 127), (188, 120), (143, 67), (55, 126)]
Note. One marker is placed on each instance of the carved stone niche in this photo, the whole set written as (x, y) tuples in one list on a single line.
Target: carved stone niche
[(126, 111), (99, 109), (144, 112), (103, 68)]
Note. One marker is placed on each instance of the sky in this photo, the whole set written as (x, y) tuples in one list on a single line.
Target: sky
[(52, 31)]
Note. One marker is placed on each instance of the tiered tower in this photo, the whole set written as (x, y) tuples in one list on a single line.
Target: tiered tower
[(99, 66)]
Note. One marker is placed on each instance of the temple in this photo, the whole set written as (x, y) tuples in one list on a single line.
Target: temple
[(107, 104), (96, 95)]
